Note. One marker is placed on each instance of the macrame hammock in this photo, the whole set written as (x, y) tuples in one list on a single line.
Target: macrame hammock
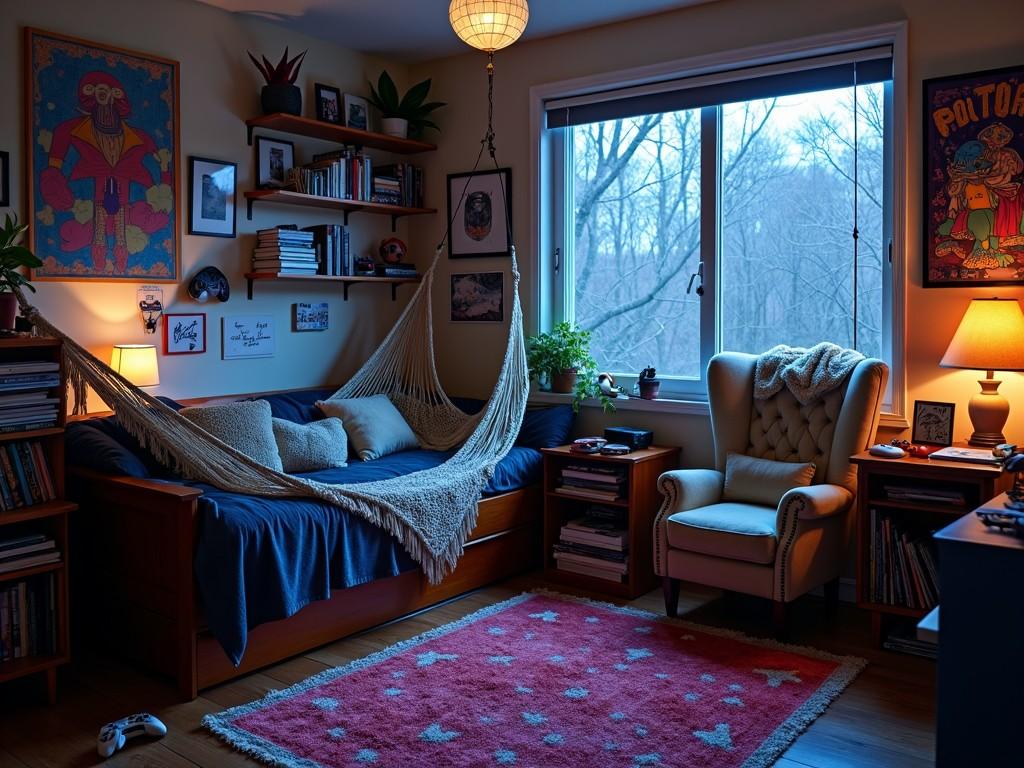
[(431, 512)]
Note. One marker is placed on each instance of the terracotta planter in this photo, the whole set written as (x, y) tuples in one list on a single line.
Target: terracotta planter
[(8, 310), (281, 98), (563, 381), (649, 388)]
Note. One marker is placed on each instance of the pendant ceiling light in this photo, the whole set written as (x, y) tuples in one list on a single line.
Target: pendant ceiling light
[(489, 25)]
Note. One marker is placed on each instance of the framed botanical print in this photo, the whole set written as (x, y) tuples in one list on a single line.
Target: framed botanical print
[(274, 158), (185, 334), (212, 190), (480, 209), (974, 179), (102, 161)]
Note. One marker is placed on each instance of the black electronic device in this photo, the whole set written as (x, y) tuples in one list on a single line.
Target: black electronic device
[(631, 436)]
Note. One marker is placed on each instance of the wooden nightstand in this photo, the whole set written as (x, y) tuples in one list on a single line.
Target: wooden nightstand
[(913, 497), (639, 501)]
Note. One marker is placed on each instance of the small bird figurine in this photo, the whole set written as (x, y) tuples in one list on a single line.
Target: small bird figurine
[(606, 383)]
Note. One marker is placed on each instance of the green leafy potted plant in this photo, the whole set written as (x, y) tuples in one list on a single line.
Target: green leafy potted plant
[(406, 116), (12, 258), (280, 94), (563, 358)]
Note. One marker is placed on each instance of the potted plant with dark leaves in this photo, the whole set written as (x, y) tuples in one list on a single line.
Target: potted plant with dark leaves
[(562, 358), (280, 94), (13, 257), (647, 383), (405, 116)]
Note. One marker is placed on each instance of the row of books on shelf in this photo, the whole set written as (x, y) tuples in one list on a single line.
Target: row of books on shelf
[(939, 495), (398, 184), (596, 544), (605, 483), (27, 551), (28, 624), (25, 477), (347, 174), (903, 568), (25, 400)]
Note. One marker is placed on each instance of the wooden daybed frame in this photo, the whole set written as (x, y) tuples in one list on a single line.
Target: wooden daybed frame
[(134, 543)]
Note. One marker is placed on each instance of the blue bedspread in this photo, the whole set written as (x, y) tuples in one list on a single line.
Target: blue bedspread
[(260, 559)]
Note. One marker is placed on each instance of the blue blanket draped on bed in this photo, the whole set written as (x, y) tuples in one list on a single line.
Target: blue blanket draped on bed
[(260, 559)]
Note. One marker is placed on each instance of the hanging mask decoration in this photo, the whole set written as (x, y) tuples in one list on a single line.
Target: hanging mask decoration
[(209, 282)]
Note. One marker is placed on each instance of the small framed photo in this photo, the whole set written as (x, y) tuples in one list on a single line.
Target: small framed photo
[(357, 112), (212, 188), (480, 216), (328, 103), (478, 297), (311, 317), (5, 179), (274, 158), (933, 423), (185, 334)]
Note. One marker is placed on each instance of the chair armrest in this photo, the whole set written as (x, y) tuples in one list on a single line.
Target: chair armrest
[(690, 488), (816, 501)]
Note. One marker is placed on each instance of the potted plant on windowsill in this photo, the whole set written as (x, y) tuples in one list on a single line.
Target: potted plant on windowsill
[(406, 116), (648, 385), (563, 358), (12, 258)]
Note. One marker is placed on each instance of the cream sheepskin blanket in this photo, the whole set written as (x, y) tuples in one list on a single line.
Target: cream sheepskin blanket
[(807, 373)]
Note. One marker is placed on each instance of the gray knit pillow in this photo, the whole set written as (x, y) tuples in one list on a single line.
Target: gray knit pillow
[(245, 426), (308, 447), (373, 424)]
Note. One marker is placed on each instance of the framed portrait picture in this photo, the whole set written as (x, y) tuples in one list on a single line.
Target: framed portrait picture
[(274, 158), (357, 112), (5, 179), (482, 220), (328, 103), (973, 179), (185, 334), (102, 209), (478, 297), (212, 188), (933, 423)]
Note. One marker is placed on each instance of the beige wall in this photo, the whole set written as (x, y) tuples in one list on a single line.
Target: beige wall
[(944, 38), (219, 89)]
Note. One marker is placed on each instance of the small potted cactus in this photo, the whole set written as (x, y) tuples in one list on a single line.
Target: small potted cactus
[(280, 94), (649, 386)]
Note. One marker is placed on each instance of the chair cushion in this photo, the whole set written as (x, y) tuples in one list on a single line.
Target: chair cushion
[(375, 427), (246, 426), (308, 447), (763, 481), (731, 530)]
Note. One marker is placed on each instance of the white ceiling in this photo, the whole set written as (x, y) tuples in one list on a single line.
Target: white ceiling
[(416, 30)]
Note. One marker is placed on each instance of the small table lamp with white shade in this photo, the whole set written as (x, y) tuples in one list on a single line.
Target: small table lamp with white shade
[(990, 337), (137, 363)]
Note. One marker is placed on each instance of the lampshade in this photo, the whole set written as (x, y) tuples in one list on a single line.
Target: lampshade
[(488, 24), (990, 337), (137, 363)]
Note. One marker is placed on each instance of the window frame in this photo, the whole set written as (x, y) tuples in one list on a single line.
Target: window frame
[(552, 295)]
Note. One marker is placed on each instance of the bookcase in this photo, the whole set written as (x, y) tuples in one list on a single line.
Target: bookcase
[(900, 503), (33, 511), (626, 485)]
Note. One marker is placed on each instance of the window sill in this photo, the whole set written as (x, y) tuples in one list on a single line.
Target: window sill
[(661, 405)]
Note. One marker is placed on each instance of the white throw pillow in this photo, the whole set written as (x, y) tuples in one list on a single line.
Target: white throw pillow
[(374, 426), (308, 447), (246, 426), (763, 481)]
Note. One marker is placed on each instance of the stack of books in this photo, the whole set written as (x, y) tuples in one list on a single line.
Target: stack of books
[(27, 618), (25, 477), (595, 545), (284, 251), (903, 639), (398, 184), (918, 493), (902, 565), (27, 551), (401, 269), (344, 174), (333, 249), (25, 402), (593, 481)]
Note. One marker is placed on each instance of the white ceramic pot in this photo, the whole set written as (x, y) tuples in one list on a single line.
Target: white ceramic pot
[(395, 126)]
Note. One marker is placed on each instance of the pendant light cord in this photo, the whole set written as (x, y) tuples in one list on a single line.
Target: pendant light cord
[(856, 185)]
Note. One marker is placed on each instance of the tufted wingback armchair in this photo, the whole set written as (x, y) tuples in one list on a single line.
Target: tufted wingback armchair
[(782, 552)]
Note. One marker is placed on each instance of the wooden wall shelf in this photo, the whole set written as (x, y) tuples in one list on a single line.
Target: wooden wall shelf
[(345, 280), (316, 129), (286, 197)]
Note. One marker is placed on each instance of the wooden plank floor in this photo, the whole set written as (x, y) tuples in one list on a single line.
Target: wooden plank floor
[(885, 718)]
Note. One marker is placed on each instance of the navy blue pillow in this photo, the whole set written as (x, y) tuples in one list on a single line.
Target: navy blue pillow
[(546, 427), (300, 406), (91, 448)]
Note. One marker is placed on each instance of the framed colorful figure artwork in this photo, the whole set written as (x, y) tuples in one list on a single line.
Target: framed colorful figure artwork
[(102, 144), (481, 218), (212, 190), (185, 334), (974, 179), (478, 297)]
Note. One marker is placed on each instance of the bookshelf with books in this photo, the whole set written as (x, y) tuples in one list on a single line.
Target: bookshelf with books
[(598, 517), (33, 512), (900, 504)]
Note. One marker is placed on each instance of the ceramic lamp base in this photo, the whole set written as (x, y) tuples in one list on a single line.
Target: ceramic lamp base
[(989, 411)]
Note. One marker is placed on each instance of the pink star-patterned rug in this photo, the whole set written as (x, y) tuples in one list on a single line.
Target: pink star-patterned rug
[(548, 680)]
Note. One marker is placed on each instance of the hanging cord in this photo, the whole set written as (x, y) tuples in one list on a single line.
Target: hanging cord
[(856, 185)]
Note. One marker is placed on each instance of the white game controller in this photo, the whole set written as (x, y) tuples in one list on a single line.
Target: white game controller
[(887, 451), (113, 735)]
